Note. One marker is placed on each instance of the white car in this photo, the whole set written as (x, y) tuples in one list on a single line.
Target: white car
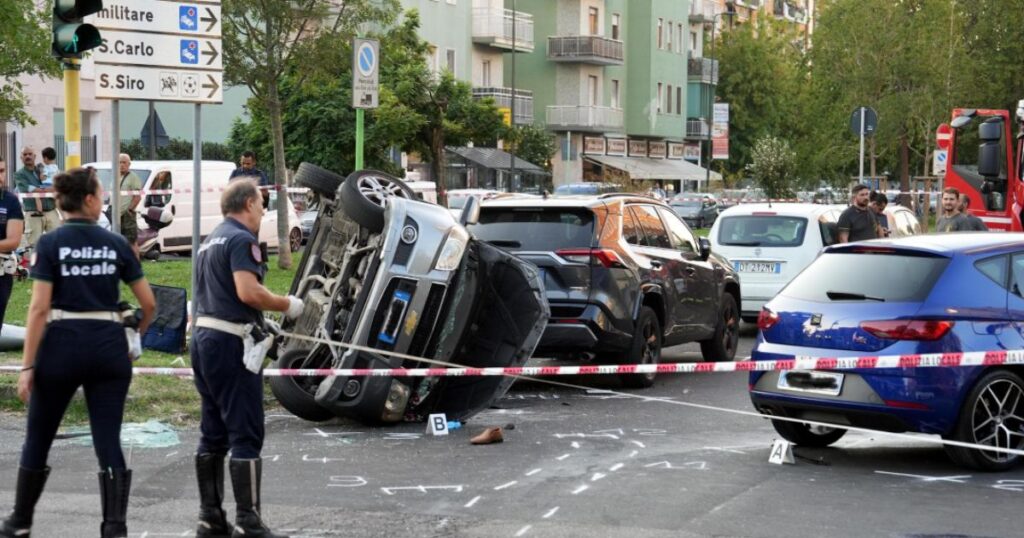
[(768, 245)]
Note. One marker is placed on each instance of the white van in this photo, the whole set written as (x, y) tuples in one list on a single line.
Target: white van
[(768, 245), (177, 237)]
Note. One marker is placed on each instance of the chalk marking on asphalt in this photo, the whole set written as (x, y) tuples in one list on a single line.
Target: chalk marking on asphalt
[(597, 476), (533, 472), (524, 530), (638, 443), (613, 430), (327, 435), (550, 513), (616, 467), (562, 457), (580, 489), (325, 459), (506, 485), (575, 444), (724, 449), (634, 453), (1016, 486), (957, 479), (472, 502), (272, 457), (422, 489), (586, 435), (171, 454)]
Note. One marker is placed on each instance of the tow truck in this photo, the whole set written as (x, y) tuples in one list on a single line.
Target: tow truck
[(985, 164)]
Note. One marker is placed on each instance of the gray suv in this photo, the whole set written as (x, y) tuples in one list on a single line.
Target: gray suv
[(388, 272)]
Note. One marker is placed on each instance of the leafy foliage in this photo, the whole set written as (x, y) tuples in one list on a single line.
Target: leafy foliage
[(772, 166), (535, 144), (24, 50)]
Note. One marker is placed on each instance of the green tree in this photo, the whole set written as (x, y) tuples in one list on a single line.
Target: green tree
[(265, 39), (772, 164), (534, 144), (24, 50)]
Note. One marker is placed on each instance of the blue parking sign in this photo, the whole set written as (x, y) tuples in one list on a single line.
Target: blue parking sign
[(188, 18), (189, 51)]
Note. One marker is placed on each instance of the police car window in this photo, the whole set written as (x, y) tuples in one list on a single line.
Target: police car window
[(1017, 274), (654, 229), (994, 268), (630, 229), (681, 236)]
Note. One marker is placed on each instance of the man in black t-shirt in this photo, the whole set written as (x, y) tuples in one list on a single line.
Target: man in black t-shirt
[(858, 222), (12, 226)]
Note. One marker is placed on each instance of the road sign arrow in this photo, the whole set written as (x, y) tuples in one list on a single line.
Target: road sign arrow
[(211, 51), (212, 19), (213, 85)]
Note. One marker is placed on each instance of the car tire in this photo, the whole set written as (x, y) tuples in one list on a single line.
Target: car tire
[(644, 349), (1001, 391), (749, 319), (295, 240), (293, 392), (806, 434), (722, 346), (365, 195), (319, 180)]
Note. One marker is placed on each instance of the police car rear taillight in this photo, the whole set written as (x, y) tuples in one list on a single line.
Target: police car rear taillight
[(766, 319)]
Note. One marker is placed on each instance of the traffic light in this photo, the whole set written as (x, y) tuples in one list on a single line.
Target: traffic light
[(71, 37)]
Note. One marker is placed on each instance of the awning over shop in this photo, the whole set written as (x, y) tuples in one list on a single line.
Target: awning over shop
[(496, 159), (655, 169)]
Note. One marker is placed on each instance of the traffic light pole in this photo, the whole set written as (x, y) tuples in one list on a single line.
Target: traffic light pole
[(359, 138), (72, 114)]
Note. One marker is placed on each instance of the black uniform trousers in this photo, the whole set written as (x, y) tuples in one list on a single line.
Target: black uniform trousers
[(232, 396), (6, 285), (90, 354)]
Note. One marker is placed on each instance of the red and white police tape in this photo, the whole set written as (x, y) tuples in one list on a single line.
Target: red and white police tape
[(926, 360), (169, 191)]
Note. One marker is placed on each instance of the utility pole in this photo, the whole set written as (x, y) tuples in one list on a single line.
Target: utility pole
[(714, 83), (512, 152)]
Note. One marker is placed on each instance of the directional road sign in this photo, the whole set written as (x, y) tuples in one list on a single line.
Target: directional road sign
[(157, 50), (186, 18), (365, 73), (135, 48), (158, 84)]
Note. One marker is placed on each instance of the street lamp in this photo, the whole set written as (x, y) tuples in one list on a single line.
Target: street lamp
[(512, 113), (730, 11)]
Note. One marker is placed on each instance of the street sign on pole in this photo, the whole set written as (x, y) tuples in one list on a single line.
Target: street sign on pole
[(159, 16), (158, 50), (158, 84), (365, 73), (943, 136), (863, 123)]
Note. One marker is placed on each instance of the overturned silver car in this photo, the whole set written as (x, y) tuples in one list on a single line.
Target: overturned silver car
[(389, 272)]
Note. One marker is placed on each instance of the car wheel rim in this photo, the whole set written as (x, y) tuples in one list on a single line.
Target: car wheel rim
[(296, 240), (819, 430), (380, 190), (997, 420), (651, 350), (730, 334)]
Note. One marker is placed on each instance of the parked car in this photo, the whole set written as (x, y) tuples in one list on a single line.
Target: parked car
[(586, 189), (928, 294), (902, 221), (386, 271), (768, 245), (177, 237), (697, 211), (624, 277)]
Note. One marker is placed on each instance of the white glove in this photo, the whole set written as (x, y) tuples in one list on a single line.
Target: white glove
[(134, 344), (295, 307)]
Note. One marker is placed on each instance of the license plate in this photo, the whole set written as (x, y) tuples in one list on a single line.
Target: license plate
[(828, 383), (757, 267)]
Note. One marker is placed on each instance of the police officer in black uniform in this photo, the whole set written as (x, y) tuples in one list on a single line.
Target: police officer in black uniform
[(229, 299), (76, 338), (12, 226)]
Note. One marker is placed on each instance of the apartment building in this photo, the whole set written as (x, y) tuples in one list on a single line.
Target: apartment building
[(611, 84)]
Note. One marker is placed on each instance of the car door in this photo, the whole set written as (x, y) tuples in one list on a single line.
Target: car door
[(666, 270), (702, 279)]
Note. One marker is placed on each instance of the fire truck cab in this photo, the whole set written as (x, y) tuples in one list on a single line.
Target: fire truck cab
[(984, 164)]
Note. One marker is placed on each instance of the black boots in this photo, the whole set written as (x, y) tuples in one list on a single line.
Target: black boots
[(30, 487), (210, 475), (245, 481), (115, 485)]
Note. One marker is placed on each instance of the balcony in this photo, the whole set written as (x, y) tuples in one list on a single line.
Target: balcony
[(584, 118), (790, 11), (696, 129), (503, 99), (588, 49), (702, 70), (493, 27), (701, 11)]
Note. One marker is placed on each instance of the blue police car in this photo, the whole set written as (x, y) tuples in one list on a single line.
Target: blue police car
[(923, 294)]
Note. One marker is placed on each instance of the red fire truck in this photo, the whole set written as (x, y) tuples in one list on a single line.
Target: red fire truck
[(984, 162)]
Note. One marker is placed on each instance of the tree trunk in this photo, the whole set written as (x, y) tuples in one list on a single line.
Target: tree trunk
[(284, 251), (437, 163)]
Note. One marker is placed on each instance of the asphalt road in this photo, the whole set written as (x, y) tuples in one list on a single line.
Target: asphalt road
[(578, 463)]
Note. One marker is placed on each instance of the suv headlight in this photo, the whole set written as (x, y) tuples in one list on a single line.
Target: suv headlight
[(451, 252)]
